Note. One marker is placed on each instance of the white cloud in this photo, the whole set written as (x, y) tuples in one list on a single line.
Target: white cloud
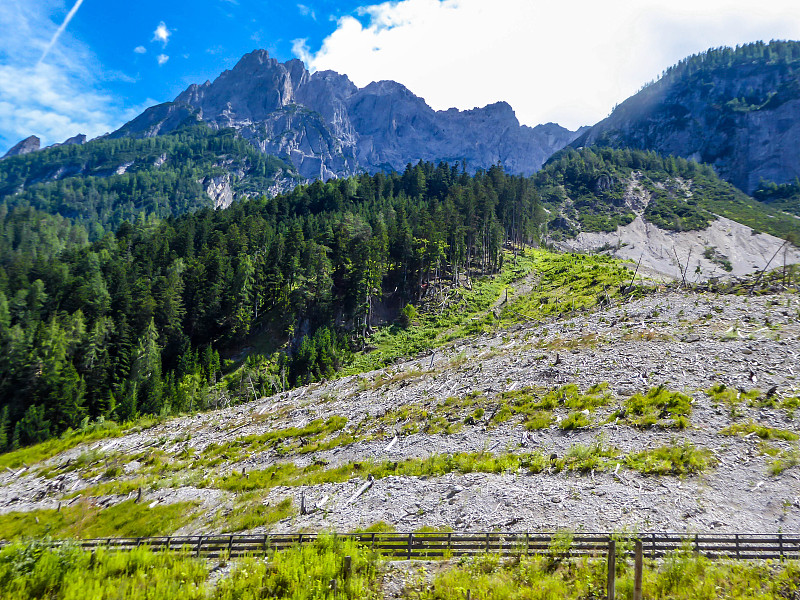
[(162, 59), (568, 62), (301, 50), (140, 50), (45, 101), (61, 29), (161, 34), (55, 99), (307, 11)]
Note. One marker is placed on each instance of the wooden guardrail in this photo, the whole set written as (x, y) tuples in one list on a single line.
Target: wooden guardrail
[(432, 545)]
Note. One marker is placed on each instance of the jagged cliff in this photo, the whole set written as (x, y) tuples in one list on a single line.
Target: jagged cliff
[(326, 126), (737, 109), (26, 146)]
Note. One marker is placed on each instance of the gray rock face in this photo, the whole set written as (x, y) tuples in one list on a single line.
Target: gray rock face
[(741, 115), (77, 140), (29, 144), (157, 120), (328, 127)]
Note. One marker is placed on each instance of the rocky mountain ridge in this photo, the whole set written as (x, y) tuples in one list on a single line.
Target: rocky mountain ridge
[(328, 127)]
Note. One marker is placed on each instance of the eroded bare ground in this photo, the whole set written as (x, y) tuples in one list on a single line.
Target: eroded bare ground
[(686, 342)]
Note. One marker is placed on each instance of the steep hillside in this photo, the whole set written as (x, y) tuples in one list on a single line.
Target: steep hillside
[(134, 322), (672, 412), (736, 109), (107, 181), (674, 215)]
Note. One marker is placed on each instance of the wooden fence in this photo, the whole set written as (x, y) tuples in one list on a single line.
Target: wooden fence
[(434, 545)]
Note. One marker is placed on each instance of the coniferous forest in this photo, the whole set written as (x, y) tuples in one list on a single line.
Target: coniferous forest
[(134, 323)]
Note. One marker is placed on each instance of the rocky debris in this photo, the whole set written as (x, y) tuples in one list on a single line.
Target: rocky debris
[(697, 253), (684, 341), (26, 146), (328, 127)]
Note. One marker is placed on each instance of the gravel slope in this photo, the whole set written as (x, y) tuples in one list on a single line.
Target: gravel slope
[(685, 341)]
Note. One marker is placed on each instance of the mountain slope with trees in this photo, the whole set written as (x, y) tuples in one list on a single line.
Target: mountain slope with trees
[(133, 322), (598, 189), (735, 109), (107, 181)]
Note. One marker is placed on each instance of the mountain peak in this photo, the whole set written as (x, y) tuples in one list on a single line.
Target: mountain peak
[(29, 144), (256, 57), (326, 126)]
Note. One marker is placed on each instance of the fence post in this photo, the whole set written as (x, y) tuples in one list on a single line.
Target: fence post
[(487, 541), (348, 566), (372, 543), (738, 555), (697, 543), (450, 541), (410, 540), (780, 544), (653, 545), (230, 545), (612, 570), (637, 572), (199, 545)]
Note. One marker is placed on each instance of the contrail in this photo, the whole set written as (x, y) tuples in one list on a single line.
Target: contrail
[(61, 29)]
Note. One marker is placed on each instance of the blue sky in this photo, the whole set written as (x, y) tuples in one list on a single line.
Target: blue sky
[(109, 63), (569, 61)]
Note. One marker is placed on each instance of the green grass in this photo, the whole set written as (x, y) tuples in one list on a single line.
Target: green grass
[(732, 398), (762, 431), (250, 512), (659, 407), (305, 573), (581, 458), (575, 420), (568, 283), (126, 519), (31, 455), (309, 438), (682, 575), (675, 459), (785, 459), (565, 283), (34, 571), (537, 405), (288, 474), (311, 572)]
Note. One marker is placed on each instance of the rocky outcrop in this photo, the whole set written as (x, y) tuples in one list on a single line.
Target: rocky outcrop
[(738, 110), (76, 140), (328, 127), (26, 146), (219, 190)]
